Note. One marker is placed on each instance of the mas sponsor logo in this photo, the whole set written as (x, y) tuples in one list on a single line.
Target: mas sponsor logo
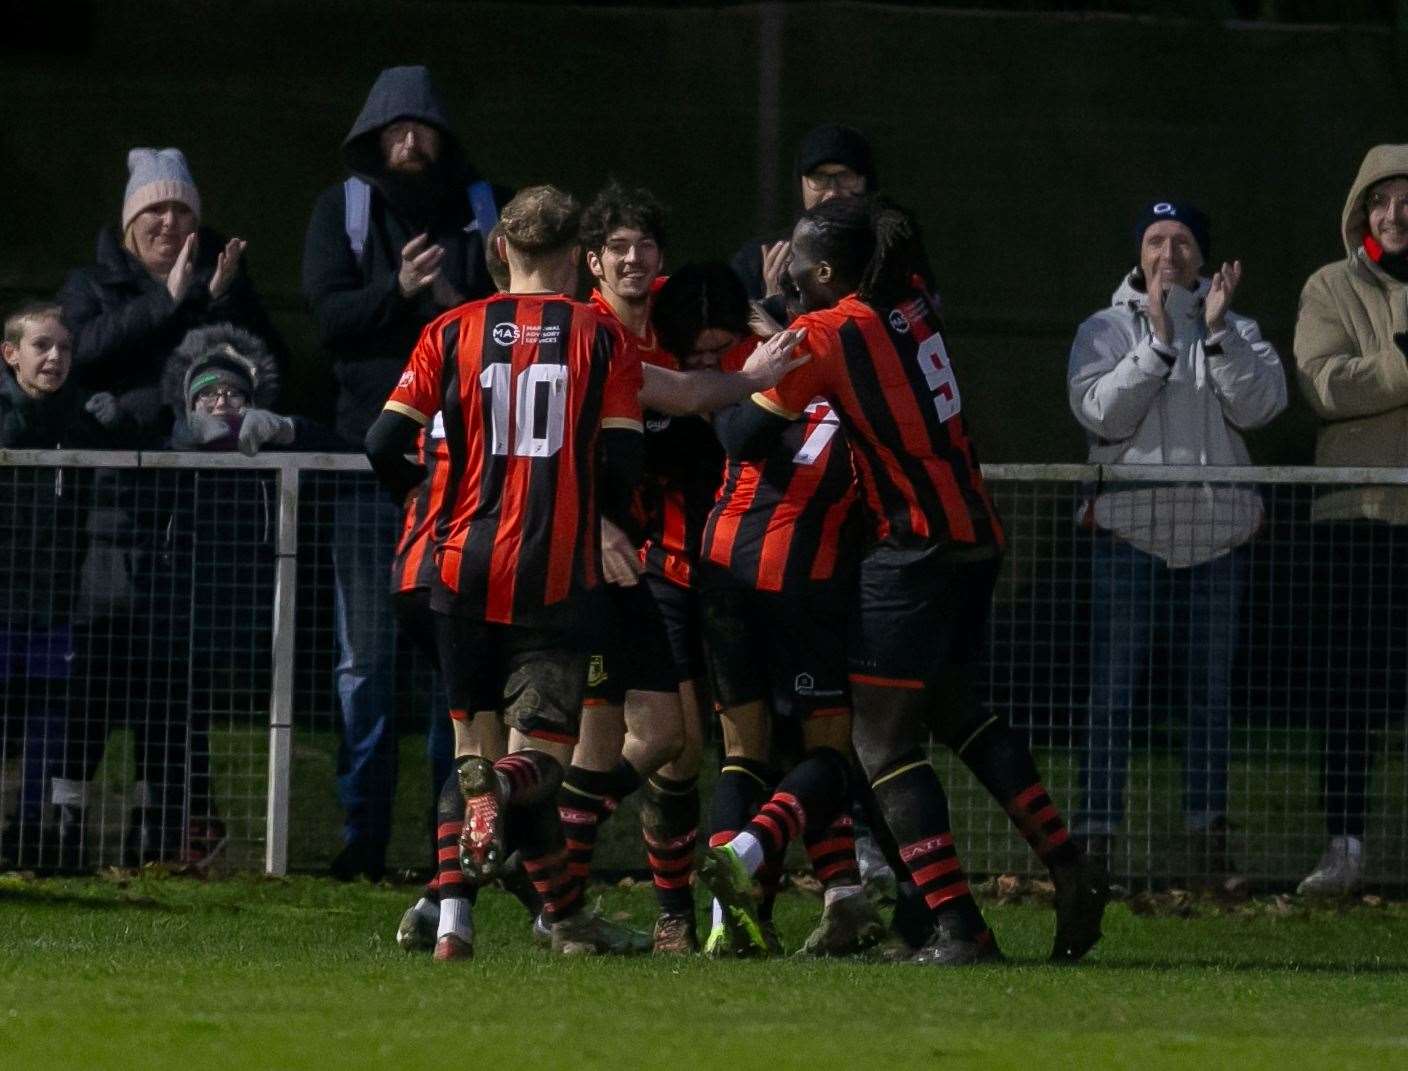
[(899, 322), (511, 334), (805, 684)]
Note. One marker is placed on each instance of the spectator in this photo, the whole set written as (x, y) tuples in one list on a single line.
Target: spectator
[(832, 161), (161, 276), (1168, 375), (387, 251), (1351, 345), (41, 549)]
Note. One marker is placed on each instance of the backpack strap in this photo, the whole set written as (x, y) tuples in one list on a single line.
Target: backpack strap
[(481, 203), (356, 214)]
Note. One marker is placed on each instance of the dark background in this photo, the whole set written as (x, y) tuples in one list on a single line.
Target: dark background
[(1025, 138)]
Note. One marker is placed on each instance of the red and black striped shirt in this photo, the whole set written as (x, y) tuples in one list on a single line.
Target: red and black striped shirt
[(524, 383), (683, 466), (414, 567), (888, 375), (786, 520)]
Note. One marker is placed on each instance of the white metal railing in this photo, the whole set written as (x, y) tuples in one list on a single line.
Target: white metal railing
[(289, 469)]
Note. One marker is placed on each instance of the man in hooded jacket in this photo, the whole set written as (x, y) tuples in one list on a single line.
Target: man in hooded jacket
[(388, 250), (1351, 349)]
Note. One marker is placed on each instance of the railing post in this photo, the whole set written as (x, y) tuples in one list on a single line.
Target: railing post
[(281, 694)]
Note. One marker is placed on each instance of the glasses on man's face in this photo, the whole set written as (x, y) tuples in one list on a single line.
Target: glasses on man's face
[(213, 395), (1380, 202), (846, 181)]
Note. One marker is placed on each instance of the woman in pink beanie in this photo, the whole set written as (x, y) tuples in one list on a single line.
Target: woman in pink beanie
[(156, 278)]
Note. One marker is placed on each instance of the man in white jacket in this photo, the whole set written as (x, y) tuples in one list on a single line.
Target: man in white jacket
[(1169, 375)]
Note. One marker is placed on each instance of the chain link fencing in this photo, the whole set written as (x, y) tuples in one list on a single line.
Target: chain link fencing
[(1209, 664)]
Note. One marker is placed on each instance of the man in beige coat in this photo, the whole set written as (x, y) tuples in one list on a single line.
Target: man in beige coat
[(1351, 350)]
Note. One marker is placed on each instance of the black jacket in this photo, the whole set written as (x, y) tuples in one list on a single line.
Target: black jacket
[(125, 324), (367, 328), (43, 536)]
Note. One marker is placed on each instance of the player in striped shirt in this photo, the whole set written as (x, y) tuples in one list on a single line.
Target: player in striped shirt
[(542, 422), (926, 579)]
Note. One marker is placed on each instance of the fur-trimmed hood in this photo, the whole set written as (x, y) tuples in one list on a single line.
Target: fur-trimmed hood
[(216, 343)]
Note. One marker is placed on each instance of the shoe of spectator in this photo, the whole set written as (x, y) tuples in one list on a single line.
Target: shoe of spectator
[(723, 874), (450, 948), (1082, 891), (587, 933), (675, 935), (1339, 872), (947, 949), (205, 840), (849, 925), (482, 851), (417, 931), (358, 858)]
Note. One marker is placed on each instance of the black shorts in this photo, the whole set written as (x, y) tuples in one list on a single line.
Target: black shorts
[(918, 613), (533, 676), (679, 608), (636, 655), (788, 650)]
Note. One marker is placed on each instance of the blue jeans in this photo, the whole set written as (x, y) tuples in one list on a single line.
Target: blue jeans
[(1132, 593), (364, 542)]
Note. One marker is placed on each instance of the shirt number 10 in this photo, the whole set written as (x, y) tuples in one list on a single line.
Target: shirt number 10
[(539, 408)]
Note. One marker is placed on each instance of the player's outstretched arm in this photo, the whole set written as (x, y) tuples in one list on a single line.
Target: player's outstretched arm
[(748, 431), (391, 437), (705, 390)]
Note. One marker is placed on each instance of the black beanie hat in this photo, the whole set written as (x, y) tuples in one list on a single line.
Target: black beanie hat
[(832, 143), (1179, 212)]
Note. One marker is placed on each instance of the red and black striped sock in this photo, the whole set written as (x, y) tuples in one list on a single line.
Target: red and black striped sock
[(560, 894), (1040, 824), (449, 880), (583, 804), (916, 810), (1001, 760), (742, 786), (832, 852), (528, 777), (670, 828), (816, 788)]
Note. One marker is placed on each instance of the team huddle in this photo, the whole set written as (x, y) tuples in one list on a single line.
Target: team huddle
[(626, 509)]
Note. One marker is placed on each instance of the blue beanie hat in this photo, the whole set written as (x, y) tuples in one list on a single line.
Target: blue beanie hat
[(154, 176), (1179, 212)]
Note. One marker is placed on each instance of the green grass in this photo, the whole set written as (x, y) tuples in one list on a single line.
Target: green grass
[(303, 973)]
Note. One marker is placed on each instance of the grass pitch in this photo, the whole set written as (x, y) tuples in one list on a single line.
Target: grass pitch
[(156, 972)]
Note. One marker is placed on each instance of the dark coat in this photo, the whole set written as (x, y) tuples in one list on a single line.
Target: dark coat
[(367, 328), (125, 324), (43, 535)]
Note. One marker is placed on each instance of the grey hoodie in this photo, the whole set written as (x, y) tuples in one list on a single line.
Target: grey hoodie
[(1138, 410)]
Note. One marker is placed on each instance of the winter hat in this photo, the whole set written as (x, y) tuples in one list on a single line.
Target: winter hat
[(218, 371), (1179, 212), (832, 143), (154, 176), (220, 354)]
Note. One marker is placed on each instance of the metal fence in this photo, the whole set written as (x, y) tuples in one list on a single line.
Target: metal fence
[(171, 678)]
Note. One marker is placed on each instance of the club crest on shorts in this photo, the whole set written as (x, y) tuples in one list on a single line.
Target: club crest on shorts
[(805, 684), (596, 671), (505, 334)]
